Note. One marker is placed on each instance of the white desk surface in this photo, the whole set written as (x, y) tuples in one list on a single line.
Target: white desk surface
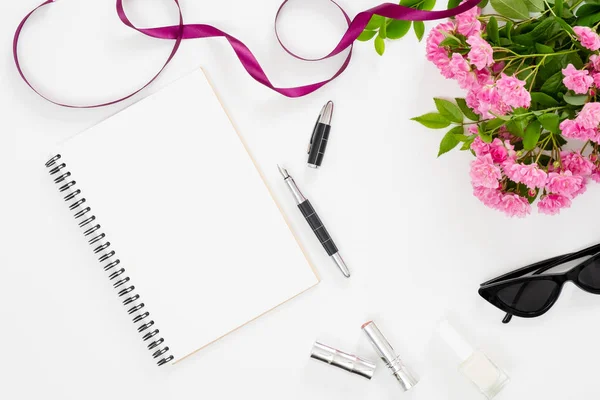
[(417, 241)]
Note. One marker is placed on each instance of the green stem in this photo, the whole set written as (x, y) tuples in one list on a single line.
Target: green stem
[(530, 55), (549, 8), (584, 146), (498, 16), (544, 143), (578, 2)]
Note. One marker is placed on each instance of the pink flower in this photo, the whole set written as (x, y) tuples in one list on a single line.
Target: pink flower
[(461, 71), (551, 204), (596, 78), (573, 129), (481, 53), (564, 183), (587, 37), (479, 147), (484, 172), (589, 116), (514, 205), (472, 130), (528, 174), (436, 54), (581, 190), (512, 91), (498, 151), (595, 60), (484, 77), (489, 102), (595, 175), (577, 80), (576, 163), (489, 197), (467, 23), (498, 67), (472, 100)]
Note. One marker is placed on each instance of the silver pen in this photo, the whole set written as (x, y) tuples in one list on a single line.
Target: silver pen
[(315, 222)]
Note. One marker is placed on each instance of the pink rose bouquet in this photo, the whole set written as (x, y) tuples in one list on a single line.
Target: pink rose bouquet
[(530, 115)]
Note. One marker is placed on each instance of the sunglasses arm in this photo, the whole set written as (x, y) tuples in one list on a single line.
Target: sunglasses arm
[(542, 266)]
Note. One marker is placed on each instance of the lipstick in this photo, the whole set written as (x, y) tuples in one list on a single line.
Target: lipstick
[(345, 361), (386, 352)]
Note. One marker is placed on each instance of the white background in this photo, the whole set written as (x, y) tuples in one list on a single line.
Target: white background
[(416, 240)]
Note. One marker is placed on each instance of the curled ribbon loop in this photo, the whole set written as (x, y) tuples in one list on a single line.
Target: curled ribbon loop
[(183, 31)]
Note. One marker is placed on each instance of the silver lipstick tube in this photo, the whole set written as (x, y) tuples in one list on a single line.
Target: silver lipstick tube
[(386, 352), (345, 361)]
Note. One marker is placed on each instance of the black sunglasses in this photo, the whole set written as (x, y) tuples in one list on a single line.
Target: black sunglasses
[(533, 295)]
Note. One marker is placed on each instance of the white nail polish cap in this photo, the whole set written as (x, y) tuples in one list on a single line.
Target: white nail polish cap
[(455, 341)]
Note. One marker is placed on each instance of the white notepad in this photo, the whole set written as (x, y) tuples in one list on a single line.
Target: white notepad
[(188, 215)]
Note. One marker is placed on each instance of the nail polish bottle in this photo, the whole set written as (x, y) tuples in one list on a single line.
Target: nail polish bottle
[(473, 364)]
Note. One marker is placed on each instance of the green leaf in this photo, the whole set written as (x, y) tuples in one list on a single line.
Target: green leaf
[(568, 28), (379, 45), (397, 28), (428, 5), (494, 123), (383, 29), (453, 3), (543, 49), (410, 3), (576, 99), (492, 30), (449, 110), (541, 32), (511, 8), (574, 59), (374, 22), (432, 120), (462, 104), (482, 3), (589, 20), (419, 28), (466, 145), (549, 122), (451, 40), (516, 127), (365, 36), (587, 9), (558, 7), (450, 140), (553, 84), (507, 30), (543, 99), (535, 5), (485, 137), (532, 135)]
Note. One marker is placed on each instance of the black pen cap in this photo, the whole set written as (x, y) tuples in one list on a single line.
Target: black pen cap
[(320, 136)]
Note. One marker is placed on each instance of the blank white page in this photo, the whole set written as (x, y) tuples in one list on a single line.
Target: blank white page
[(188, 214)]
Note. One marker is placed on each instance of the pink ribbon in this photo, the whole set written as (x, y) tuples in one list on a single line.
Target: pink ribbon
[(182, 31)]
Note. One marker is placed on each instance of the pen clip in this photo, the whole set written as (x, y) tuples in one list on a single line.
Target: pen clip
[(312, 137)]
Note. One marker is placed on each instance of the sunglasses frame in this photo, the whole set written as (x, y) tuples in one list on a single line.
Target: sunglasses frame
[(489, 290)]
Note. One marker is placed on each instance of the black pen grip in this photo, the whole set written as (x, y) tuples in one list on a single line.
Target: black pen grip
[(317, 226)]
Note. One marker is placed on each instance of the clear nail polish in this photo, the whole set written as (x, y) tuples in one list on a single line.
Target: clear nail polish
[(473, 364)]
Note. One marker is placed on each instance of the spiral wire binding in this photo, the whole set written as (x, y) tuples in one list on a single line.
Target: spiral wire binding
[(107, 258)]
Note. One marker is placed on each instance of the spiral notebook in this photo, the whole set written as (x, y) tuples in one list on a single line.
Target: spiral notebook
[(180, 219)]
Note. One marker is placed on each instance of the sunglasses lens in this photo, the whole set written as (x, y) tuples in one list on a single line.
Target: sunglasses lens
[(590, 275), (530, 296)]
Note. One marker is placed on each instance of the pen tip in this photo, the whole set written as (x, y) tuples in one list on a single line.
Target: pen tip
[(282, 171), (326, 113)]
